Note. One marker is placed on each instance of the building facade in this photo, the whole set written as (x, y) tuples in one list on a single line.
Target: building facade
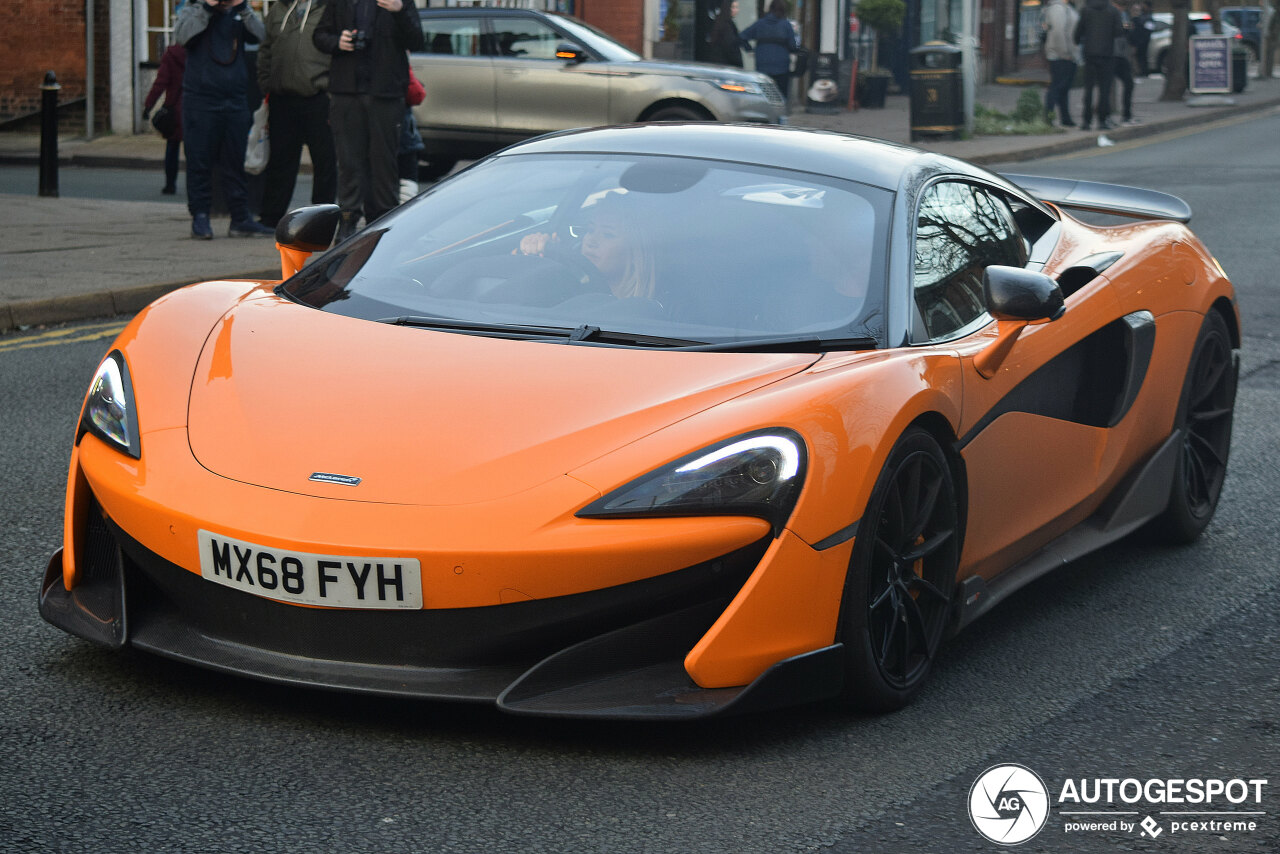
[(112, 46)]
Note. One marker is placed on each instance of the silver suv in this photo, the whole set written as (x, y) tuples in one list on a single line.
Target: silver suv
[(497, 76)]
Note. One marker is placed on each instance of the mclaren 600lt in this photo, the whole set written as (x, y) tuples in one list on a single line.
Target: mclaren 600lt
[(657, 421)]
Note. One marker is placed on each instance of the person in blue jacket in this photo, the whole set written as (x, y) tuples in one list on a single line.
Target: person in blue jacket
[(775, 40), (215, 108)]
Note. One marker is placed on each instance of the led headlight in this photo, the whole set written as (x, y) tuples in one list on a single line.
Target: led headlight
[(758, 474), (109, 411), (741, 87)]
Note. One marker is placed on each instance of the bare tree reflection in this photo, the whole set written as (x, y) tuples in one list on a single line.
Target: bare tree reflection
[(960, 230)]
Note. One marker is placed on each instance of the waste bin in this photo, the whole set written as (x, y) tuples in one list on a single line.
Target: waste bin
[(937, 100), (1239, 68)]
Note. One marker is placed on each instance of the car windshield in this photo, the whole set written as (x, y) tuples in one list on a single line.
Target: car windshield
[(638, 251), (589, 37)]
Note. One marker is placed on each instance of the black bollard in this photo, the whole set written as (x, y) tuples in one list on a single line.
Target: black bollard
[(49, 135)]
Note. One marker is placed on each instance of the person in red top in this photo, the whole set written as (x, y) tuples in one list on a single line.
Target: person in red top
[(169, 83)]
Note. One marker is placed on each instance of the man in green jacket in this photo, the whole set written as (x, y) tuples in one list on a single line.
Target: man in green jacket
[(294, 74)]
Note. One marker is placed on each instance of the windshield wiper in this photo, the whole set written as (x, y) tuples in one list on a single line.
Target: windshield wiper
[(498, 330), (787, 344), (583, 334)]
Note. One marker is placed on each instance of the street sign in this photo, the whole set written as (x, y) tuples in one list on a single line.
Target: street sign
[(1209, 61)]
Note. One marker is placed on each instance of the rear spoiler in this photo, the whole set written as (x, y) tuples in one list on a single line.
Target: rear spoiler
[(1102, 198)]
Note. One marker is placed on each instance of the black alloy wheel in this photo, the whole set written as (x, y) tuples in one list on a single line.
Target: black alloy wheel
[(1205, 414), (897, 597)]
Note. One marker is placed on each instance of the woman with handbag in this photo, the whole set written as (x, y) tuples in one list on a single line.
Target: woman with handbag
[(168, 119)]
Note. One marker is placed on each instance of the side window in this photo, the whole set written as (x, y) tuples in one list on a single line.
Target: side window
[(456, 36), (961, 229), (525, 38)]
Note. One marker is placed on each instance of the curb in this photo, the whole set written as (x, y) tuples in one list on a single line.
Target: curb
[(65, 309), (1084, 140)]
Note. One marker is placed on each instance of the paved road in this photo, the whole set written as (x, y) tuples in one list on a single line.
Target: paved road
[(1133, 662)]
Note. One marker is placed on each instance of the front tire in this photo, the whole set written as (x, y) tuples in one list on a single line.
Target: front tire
[(677, 114), (897, 597), (1205, 413)]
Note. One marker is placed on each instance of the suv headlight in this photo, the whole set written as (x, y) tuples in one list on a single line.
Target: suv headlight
[(757, 474), (740, 87), (109, 411)]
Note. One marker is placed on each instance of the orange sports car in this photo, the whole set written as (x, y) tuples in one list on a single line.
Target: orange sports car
[(657, 421)]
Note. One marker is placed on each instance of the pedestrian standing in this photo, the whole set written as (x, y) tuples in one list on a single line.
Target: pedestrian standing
[(367, 40), (411, 144), (724, 44), (775, 40), (1124, 64), (168, 83), (1140, 35), (215, 110), (1060, 20), (1096, 33), (294, 74)]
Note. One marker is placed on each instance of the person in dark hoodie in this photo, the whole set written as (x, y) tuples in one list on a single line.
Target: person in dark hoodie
[(775, 40), (724, 45), (1099, 27), (295, 75), (215, 109), (368, 40)]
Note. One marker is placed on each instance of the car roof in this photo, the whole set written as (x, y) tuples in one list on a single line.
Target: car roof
[(473, 11), (869, 161)]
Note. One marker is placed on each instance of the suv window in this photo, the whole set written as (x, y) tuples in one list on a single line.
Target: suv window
[(961, 229), (525, 38), (457, 36)]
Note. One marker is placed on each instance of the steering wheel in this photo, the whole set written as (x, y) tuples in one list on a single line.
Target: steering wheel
[(571, 258)]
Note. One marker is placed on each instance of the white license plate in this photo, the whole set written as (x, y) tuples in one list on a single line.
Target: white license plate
[(336, 581)]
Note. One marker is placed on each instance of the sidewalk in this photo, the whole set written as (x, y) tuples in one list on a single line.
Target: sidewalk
[(64, 259)]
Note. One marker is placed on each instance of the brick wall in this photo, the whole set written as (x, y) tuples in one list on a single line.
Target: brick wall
[(622, 19), (43, 35)]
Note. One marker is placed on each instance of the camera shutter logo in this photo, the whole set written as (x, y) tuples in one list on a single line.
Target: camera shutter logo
[(1009, 804)]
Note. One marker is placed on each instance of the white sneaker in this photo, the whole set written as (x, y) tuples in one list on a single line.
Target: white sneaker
[(408, 189)]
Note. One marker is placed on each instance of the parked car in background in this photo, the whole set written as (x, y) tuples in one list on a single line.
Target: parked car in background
[(1199, 24), (1248, 20), (498, 76)]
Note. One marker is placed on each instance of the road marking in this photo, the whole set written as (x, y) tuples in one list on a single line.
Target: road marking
[(1168, 136), (70, 335)]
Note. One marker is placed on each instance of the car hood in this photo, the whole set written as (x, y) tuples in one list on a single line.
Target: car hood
[(686, 69), (282, 392)]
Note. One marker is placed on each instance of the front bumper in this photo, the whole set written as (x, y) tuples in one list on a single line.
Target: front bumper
[(611, 653)]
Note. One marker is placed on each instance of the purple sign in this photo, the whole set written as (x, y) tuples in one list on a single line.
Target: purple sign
[(1209, 58)]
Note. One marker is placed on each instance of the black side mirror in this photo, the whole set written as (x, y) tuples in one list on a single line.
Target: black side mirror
[(308, 229), (1013, 293), (571, 52)]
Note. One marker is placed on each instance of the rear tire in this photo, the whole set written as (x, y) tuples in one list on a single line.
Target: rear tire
[(1205, 413), (897, 596)]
